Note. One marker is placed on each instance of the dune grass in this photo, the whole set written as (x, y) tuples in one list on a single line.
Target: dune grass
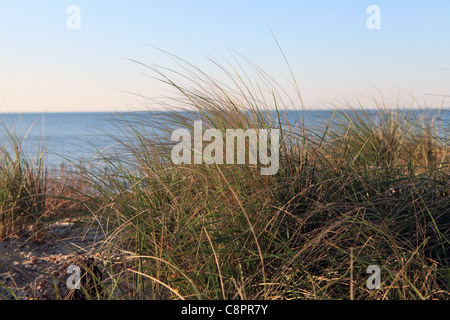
[(371, 188), (22, 184), (31, 193)]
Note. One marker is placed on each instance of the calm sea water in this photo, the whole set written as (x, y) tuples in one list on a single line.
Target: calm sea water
[(81, 136), (68, 137)]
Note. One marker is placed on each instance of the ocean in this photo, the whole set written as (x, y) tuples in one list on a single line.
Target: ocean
[(81, 136)]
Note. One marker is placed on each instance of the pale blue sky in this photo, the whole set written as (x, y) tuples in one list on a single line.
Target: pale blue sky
[(44, 66)]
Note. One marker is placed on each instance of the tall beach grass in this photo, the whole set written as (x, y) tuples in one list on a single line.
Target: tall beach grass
[(370, 188), (22, 183), (32, 193)]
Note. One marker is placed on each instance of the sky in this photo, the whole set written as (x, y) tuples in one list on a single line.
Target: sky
[(54, 59)]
